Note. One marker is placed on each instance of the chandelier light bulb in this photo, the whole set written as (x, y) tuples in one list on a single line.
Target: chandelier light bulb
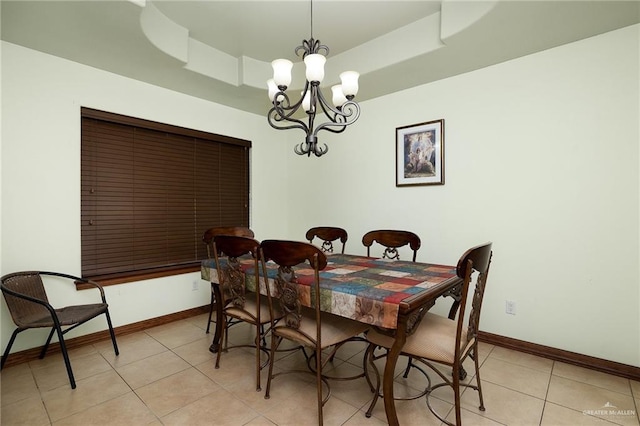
[(273, 89), (315, 67), (338, 96), (349, 83), (282, 72), (306, 101)]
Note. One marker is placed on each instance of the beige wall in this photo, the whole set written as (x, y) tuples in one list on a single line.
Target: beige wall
[(41, 100), (541, 158)]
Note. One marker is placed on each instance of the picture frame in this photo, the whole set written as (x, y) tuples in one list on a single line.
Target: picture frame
[(420, 154)]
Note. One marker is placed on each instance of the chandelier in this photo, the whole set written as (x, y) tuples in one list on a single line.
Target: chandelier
[(282, 115)]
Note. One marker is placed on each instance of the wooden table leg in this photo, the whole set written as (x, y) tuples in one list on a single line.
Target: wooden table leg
[(215, 345)]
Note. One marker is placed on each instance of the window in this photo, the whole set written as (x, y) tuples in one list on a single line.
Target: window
[(150, 190)]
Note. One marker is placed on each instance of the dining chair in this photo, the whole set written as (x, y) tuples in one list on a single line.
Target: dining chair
[(207, 238), (391, 240), (27, 300), (439, 340), (328, 234), (238, 303), (306, 326)]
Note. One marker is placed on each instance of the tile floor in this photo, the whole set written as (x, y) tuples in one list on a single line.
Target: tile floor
[(166, 376)]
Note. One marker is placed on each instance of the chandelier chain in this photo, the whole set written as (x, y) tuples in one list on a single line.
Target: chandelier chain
[(311, 20)]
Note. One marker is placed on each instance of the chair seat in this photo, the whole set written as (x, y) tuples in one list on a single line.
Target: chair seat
[(434, 339), (334, 329), (249, 313), (75, 314), (66, 316)]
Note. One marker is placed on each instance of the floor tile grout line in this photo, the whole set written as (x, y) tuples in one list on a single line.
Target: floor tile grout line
[(636, 402), (540, 370), (595, 385), (546, 394), (190, 403)]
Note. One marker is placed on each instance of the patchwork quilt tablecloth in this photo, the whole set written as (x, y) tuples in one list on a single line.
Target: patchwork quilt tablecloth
[(365, 289)]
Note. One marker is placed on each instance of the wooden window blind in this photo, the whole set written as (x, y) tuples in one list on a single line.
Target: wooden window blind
[(150, 190)]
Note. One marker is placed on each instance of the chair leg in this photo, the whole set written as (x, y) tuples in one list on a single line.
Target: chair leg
[(462, 374), (406, 370), (319, 382), (258, 388), (275, 342), (112, 333), (43, 352), (224, 335), (368, 357), (6, 351), (456, 392), (263, 334), (475, 359), (211, 305), (65, 355), (259, 337)]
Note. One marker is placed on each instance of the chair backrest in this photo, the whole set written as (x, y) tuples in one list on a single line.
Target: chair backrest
[(476, 259), (209, 234), (230, 274), (29, 285), (287, 287), (392, 240), (328, 234)]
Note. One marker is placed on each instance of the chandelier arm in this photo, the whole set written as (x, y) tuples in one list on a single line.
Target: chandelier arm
[(339, 116), (348, 115), (322, 47), (329, 111), (311, 46), (337, 120), (306, 148), (319, 152), (283, 108), (301, 149), (332, 130), (275, 121), (282, 112)]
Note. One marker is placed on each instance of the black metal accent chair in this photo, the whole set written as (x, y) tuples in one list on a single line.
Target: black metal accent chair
[(29, 306)]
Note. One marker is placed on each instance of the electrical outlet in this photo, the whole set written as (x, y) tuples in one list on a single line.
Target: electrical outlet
[(510, 307), (194, 286)]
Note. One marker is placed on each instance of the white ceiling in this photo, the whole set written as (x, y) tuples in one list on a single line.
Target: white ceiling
[(221, 50)]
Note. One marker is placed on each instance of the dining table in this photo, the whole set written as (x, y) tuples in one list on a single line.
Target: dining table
[(391, 295)]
